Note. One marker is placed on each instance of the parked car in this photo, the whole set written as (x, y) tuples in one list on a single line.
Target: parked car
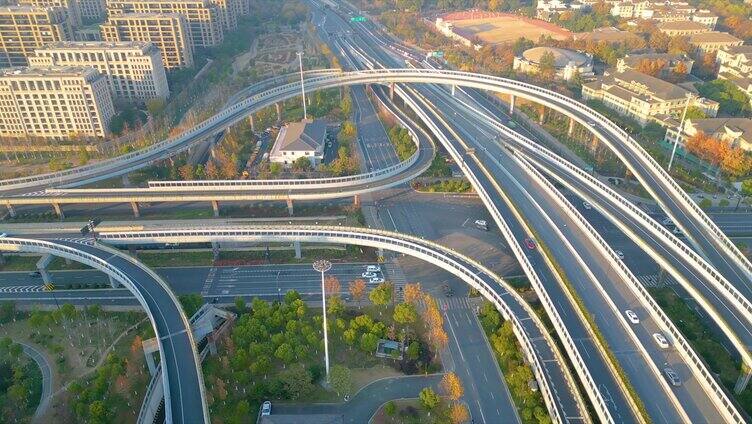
[(373, 268), (376, 280), (632, 316), (660, 340), (672, 376), (368, 275), (529, 243), (587, 205), (266, 408)]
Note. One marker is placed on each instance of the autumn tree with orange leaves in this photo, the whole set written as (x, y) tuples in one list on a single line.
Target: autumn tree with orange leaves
[(452, 386), (357, 290)]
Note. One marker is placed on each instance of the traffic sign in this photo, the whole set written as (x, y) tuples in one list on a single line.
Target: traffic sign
[(358, 19)]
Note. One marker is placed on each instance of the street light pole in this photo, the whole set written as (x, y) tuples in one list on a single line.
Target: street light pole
[(322, 266), (302, 85), (679, 131)]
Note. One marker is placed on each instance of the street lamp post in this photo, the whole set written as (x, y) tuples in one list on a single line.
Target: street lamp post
[(322, 266), (302, 85), (679, 131)]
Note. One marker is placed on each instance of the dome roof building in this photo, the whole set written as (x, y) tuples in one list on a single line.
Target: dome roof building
[(566, 63)]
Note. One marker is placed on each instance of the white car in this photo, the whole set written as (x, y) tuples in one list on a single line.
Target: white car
[(620, 254), (587, 205), (266, 408), (632, 316), (368, 275), (660, 340), (373, 268), (376, 280), (3, 235)]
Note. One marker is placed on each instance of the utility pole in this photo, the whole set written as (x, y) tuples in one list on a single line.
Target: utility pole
[(302, 89), (322, 266), (679, 131)]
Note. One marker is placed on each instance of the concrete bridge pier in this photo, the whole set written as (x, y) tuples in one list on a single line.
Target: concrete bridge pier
[(150, 346), (391, 91), (42, 265), (58, 210), (289, 207), (356, 200), (2, 259), (215, 250), (542, 115), (215, 206), (298, 250), (136, 210), (11, 210), (126, 181), (250, 121), (570, 131), (380, 252), (114, 283), (454, 89), (279, 111), (512, 99), (743, 380)]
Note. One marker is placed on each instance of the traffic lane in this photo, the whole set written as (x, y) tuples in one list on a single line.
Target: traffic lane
[(584, 344), (178, 351), (691, 396)]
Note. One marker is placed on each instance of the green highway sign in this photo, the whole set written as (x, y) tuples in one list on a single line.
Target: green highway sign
[(358, 19)]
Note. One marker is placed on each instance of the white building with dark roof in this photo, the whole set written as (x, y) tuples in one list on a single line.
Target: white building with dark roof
[(567, 63), (306, 139)]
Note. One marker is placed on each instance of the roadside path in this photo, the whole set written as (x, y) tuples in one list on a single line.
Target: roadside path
[(44, 366)]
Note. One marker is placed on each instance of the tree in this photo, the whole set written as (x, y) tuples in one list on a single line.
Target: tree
[(155, 106), (651, 67), (694, 113), (302, 164), (382, 294), (191, 303), (458, 413), (452, 386), (357, 289), (285, 353), (83, 155), (369, 342), (413, 350), (346, 104), (212, 172), (412, 292), (240, 304), (275, 168), (390, 408), (733, 101), (332, 286), (187, 172), (706, 203), (340, 377), (429, 399), (746, 188), (7, 311), (547, 65), (404, 313), (297, 381)]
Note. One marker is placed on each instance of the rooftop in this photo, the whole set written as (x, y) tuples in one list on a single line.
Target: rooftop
[(682, 25), (634, 59), (713, 37), (562, 57), (741, 126), (301, 136), (50, 71), (655, 86), (98, 45)]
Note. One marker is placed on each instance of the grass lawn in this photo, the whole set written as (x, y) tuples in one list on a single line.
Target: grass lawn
[(29, 263)]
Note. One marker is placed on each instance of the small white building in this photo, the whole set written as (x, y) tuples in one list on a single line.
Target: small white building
[(306, 138)]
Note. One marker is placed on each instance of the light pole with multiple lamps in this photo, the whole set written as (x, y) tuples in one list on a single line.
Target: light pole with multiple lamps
[(679, 130), (322, 266), (302, 85)]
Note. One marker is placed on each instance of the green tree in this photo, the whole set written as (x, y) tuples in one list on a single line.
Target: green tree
[(369, 342), (733, 101), (747, 187), (404, 313), (390, 408), (7, 311), (83, 155), (275, 168), (155, 106), (413, 350), (240, 304), (340, 377), (382, 294), (302, 164), (706, 203), (429, 399), (285, 353), (296, 381), (191, 303)]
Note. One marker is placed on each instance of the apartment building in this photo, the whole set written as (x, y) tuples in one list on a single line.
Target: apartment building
[(25, 28), (169, 32), (71, 7), (670, 62), (643, 97), (736, 66), (205, 20), (663, 11), (735, 131), (709, 42), (681, 28), (92, 10), (56, 102), (134, 69)]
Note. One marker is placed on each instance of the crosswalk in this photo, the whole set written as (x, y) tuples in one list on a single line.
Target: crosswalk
[(21, 289), (652, 281), (397, 277), (79, 240), (451, 303)]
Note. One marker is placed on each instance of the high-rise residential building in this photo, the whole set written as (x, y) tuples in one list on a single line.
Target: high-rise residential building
[(56, 102), (205, 20), (71, 7), (169, 32), (24, 28), (133, 69), (92, 10)]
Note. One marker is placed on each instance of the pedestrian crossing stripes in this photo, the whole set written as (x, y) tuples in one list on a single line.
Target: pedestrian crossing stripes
[(451, 303), (79, 240), (21, 289), (653, 281), (397, 277), (208, 282)]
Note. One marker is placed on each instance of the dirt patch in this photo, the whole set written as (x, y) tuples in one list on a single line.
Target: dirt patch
[(496, 28)]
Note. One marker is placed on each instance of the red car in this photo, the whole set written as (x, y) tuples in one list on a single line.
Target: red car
[(529, 243)]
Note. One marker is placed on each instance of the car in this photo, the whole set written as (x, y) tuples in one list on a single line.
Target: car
[(632, 316), (620, 254), (448, 291), (587, 205), (667, 221), (529, 243), (591, 123), (368, 275), (35, 274), (481, 224), (677, 231), (660, 340), (376, 280), (3, 235), (373, 268), (672, 376), (266, 408)]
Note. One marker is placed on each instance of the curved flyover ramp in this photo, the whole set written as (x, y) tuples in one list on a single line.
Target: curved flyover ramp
[(562, 398), (182, 378)]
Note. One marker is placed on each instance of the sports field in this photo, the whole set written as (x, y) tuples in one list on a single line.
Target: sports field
[(495, 28)]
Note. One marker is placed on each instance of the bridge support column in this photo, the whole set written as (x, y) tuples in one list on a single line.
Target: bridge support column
[(356, 200), (11, 210), (542, 115), (298, 250), (58, 210), (126, 180), (114, 283), (215, 206), (289, 207), (132, 251), (2, 259), (250, 121), (213, 152), (380, 252), (150, 363), (512, 99), (570, 131), (136, 210), (454, 89), (279, 111), (743, 380), (215, 250), (42, 265), (391, 91)]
